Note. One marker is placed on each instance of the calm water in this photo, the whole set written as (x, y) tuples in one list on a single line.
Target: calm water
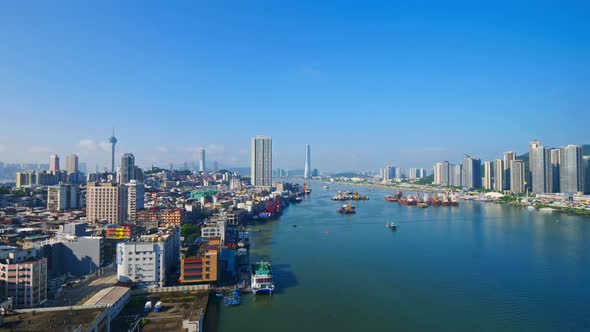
[(477, 267)]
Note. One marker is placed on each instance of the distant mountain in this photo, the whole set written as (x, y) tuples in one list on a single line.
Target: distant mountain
[(349, 175)]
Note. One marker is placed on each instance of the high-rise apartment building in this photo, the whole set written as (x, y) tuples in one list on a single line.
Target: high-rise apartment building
[(587, 174), (508, 158), (542, 177), (529, 177), (63, 197), (127, 172), (499, 175), (517, 176), (455, 175), (261, 162), (471, 173), (54, 163), (555, 170), (135, 198), (571, 170), (487, 175), (106, 202), (437, 170), (388, 173), (72, 164)]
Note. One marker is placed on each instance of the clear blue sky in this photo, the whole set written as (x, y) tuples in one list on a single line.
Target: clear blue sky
[(365, 83)]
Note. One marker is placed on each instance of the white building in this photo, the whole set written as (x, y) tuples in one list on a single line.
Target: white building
[(487, 175), (215, 228), (62, 197), (261, 162), (148, 260), (135, 198)]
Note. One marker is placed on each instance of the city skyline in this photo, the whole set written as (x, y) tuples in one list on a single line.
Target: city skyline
[(394, 73)]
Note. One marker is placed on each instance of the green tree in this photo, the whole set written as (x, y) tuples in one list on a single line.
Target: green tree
[(190, 232)]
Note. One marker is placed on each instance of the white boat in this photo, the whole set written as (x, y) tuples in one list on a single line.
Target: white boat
[(391, 225), (262, 280), (546, 210)]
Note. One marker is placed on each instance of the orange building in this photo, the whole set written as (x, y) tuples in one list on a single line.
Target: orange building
[(200, 262)]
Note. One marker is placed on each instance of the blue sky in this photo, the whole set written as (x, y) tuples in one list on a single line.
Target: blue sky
[(365, 83)]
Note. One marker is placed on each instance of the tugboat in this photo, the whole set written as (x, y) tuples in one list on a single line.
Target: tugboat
[(347, 209), (391, 225), (262, 281), (306, 189)]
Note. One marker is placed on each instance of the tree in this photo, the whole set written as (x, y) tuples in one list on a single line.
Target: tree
[(190, 232)]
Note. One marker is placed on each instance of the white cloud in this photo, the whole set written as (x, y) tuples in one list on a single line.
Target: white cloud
[(161, 149), (87, 145), (38, 149)]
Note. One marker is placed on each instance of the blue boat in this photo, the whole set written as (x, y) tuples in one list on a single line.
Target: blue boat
[(232, 299)]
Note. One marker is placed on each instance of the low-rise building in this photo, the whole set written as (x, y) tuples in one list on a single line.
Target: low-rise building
[(23, 277), (200, 262), (148, 259)]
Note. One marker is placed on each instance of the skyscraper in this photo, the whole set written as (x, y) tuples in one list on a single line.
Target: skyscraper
[(437, 173), (388, 173), (587, 174), (508, 157), (517, 176), (261, 162), (72, 163), (127, 168), (540, 161), (471, 173), (499, 175), (307, 170), (555, 170), (532, 145), (201, 160), (445, 173), (455, 176), (571, 170), (487, 175), (113, 141), (53, 163)]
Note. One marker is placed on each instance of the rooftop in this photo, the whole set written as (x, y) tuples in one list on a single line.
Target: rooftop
[(107, 296), (63, 320)]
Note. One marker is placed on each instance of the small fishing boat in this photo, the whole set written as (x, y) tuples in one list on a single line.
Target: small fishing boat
[(391, 225)]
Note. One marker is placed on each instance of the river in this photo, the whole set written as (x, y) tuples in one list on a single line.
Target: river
[(476, 267)]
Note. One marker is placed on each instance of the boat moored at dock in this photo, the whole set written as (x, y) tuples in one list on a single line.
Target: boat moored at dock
[(262, 280)]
